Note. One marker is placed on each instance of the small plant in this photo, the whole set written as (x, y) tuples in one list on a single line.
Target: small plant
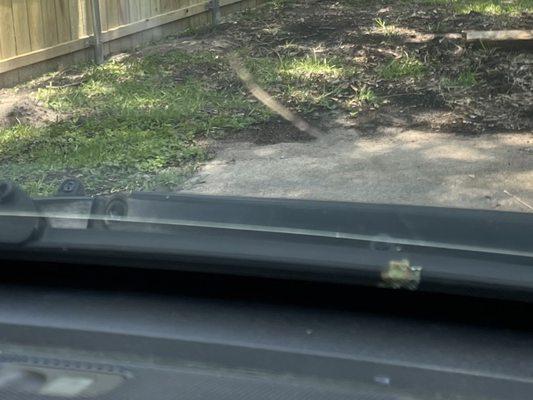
[(367, 95), (278, 4), (383, 27)]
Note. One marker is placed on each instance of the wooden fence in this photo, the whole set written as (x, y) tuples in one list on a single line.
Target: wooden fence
[(39, 35)]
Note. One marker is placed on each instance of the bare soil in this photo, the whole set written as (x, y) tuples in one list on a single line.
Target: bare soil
[(19, 107), (272, 132)]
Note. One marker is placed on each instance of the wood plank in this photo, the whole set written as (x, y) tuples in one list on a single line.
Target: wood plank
[(22, 29), (74, 16), (168, 5), (183, 4), (174, 5), (7, 30), (63, 20), (112, 14), (31, 71), (135, 14), (156, 8), (49, 22), (43, 54), (146, 12), (124, 12), (499, 36), (81, 18), (146, 8), (89, 16), (35, 22), (154, 22), (103, 15)]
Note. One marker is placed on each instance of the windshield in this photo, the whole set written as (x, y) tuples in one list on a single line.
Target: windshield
[(422, 102)]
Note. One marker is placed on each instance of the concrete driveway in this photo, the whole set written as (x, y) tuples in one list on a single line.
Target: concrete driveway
[(393, 165)]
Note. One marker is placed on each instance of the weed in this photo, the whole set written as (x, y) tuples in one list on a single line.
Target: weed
[(383, 27)]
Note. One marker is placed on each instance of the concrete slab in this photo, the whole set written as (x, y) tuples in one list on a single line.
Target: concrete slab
[(393, 165)]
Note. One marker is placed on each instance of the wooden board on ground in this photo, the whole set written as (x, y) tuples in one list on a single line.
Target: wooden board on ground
[(509, 38)]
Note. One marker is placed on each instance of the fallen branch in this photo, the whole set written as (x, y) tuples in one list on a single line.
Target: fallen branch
[(265, 98)]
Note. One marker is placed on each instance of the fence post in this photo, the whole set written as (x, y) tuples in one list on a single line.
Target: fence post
[(215, 6), (97, 32)]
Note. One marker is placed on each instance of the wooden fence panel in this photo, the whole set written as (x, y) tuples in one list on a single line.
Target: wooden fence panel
[(63, 20), (112, 14), (146, 8), (22, 30), (36, 32), (156, 7), (48, 8), (124, 14), (35, 24), (8, 45)]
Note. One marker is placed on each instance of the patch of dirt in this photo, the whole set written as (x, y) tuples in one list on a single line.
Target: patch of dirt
[(20, 108), (189, 45), (423, 99), (270, 133)]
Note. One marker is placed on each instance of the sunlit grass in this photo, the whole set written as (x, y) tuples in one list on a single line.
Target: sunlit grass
[(310, 67), (304, 83), (131, 123), (406, 66), (491, 7)]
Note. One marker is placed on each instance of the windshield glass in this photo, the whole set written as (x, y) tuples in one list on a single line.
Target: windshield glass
[(422, 102)]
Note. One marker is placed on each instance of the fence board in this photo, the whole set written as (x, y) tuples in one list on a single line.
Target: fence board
[(103, 14), (48, 8), (156, 7), (22, 30), (135, 13), (124, 16), (7, 30), (89, 16), (76, 25), (146, 8), (112, 14), (35, 22), (63, 20), (43, 55)]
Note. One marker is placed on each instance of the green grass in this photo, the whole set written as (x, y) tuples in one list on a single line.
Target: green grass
[(406, 66), (465, 79), (304, 83), (134, 125), (492, 7)]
